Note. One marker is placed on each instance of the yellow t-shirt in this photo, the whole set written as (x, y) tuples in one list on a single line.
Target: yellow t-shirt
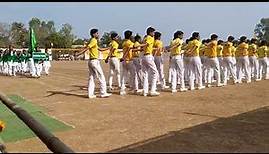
[(158, 44), (219, 50), (212, 49), (202, 50), (195, 43), (242, 49), (115, 45), (262, 51), (227, 49), (149, 40), (252, 50), (233, 51), (125, 45), (268, 52), (185, 47), (178, 43), (136, 46), (93, 49)]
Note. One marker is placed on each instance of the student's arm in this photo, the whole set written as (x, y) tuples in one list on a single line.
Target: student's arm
[(103, 49), (82, 51), (109, 54), (125, 54)]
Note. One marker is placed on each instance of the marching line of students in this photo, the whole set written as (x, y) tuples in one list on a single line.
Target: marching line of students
[(15, 62), (191, 63)]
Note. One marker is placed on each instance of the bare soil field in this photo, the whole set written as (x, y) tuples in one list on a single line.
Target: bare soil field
[(226, 119)]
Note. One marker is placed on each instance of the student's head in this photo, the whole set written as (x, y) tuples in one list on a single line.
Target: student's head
[(248, 41), (253, 41), (230, 38), (178, 34), (220, 42), (195, 35), (114, 36), (243, 39), (150, 31), (137, 38), (208, 40), (263, 42), (214, 37), (187, 41), (94, 33), (128, 34), (203, 41), (235, 42), (157, 35)]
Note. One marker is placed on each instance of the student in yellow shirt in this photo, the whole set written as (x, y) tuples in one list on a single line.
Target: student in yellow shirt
[(127, 63), (243, 60), (186, 59), (253, 61), (220, 57), (263, 63), (234, 57), (137, 62), (148, 66), (114, 62), (95, 69), (177, 64), (195, 65), (213, 62), (205, 67), (228, 64), (158, 59)]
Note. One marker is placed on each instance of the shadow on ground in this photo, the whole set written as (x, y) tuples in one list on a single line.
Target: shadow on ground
[(247, 132)]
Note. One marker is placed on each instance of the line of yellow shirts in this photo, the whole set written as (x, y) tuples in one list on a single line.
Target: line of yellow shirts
[(211, 50)]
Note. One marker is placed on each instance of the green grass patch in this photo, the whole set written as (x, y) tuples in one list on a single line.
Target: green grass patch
[(16, 130)]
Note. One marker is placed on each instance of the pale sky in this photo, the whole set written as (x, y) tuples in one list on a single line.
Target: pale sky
[(206, 17)]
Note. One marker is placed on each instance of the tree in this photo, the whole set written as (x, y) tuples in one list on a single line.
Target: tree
[(4, 34), (105, 39), (261, 30), (79, 41), (66, 35), (18, 34)]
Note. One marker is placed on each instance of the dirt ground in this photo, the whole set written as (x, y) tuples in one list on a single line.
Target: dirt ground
[(227, 119)]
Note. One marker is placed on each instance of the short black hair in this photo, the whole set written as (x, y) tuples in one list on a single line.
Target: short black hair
[(253, 40), (243, 39), (187, 41), (93, 31), (113, 35), (137, 37), (195, 35), (220, 42), (149, 30), (128, 34), (230, 38), (157, 35), (203, 41), (208, 40), (213, 36), (263, 42), (177, 34)]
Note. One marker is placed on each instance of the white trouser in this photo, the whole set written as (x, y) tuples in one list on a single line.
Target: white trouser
[(31, 67), (138, 72), (220, 59), (5, 68), (170, 71), (23, 67), (213, 64), (128, 67), (159, 64), (243, 65), (38, 68), (195, 68), (114, 66), (1, 67), (254, 66), (46, 66), (149, 71), (228, 66), (177, 66), (204, 69), (187, 71), (10, 66), (96, 72), (263, 67), (15, 68)]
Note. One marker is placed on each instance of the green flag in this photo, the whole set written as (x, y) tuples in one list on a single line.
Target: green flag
[(32, 46)]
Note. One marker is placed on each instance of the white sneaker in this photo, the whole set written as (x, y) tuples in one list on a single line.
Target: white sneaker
[(239, 82), (183, 89), (165, 87), (201, 87), (192, 88), (208, 85), (139, 91), (174, 91), (105, 95), (249, 81), (257, 79), (145, 94), (220, 85), (122, 92), (92, 96), (154, 93)]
